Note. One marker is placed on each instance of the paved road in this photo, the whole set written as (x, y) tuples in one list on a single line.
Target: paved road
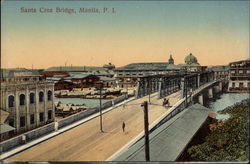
[(87, 143)]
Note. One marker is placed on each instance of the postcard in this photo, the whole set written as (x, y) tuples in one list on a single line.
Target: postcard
[(124, 81)]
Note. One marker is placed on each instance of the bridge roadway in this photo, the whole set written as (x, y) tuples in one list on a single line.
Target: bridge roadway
[(87, 143)]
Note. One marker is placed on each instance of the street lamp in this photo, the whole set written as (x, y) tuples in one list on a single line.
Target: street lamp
[(99, 85)]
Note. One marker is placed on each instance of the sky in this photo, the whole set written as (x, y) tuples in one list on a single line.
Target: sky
[(216, 32)]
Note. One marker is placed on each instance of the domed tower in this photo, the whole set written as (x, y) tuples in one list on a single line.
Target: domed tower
[(109, 66), (190, 59), (170, 60)]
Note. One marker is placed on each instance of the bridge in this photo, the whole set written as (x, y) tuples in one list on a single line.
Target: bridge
[(86, 143)]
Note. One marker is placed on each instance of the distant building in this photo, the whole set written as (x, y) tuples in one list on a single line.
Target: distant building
[(65, 70), (191, 64), (128, 76), (27, 97), (70, 77), (109, 66), (239, 76), (220, 72)]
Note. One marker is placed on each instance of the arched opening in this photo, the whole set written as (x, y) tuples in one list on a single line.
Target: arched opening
[(22, 99), (11, 100), (41, 96), (49, 95), (32, 98)]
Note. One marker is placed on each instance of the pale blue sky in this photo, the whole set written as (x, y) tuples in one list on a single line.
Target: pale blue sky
[(156, 23)]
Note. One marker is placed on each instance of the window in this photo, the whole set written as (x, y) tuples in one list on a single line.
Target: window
[(32, 98), (41, 95), (11, 100), (11, 122), (49, 95), (22, 99), (240, 71), (32, 119), (241, 85), (22, 121), (248, 71), (233, 85), (232, 71), (41, 115), (50, 114)]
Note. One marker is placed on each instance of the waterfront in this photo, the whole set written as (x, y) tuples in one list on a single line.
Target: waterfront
[(226, 100), (87, 102)]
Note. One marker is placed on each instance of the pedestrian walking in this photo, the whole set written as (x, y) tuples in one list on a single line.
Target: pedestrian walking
[(165, 102), (123, 126)]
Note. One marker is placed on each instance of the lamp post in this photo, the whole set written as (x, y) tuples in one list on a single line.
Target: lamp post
[(99, 85)]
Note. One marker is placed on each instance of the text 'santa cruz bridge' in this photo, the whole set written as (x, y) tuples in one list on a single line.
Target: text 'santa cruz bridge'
[(85, 142)]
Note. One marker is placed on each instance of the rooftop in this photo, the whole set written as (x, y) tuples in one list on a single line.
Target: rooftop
[(19, 72), (218, 68), (75, 69), (149, 66)]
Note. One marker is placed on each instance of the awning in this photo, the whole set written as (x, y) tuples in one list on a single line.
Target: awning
[(5, 128)]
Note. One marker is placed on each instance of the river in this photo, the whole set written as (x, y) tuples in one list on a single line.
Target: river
[(88, 102), (226, 100)]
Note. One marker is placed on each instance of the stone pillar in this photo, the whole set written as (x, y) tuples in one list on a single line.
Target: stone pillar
[(159, 88), (27, 104), (200, 99), (198, 80), (220, 86), (216, 89), (17, 117), (210, 93), (45, 103), (137, 91), (53, 102), (37, 106), (183, 87)]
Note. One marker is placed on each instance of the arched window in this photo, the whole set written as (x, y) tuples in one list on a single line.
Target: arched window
[(49, 95), (11, 100), (41, 96), (22, 99), (32, 98)]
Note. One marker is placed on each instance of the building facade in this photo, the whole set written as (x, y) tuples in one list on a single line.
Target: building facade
[(28, 99), (220, 72), (128, 76), (239, 76)]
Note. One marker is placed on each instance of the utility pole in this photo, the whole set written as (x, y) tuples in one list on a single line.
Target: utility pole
[(101, 109), (145, 105), (99, 86)]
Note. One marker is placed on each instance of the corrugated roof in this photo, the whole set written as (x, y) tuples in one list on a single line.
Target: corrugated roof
[(149, 66), (107, 79), (74, 69), (54, 78), (169, 140)]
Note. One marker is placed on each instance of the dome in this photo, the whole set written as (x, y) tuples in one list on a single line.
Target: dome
[(190, 59), (109, 66)]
